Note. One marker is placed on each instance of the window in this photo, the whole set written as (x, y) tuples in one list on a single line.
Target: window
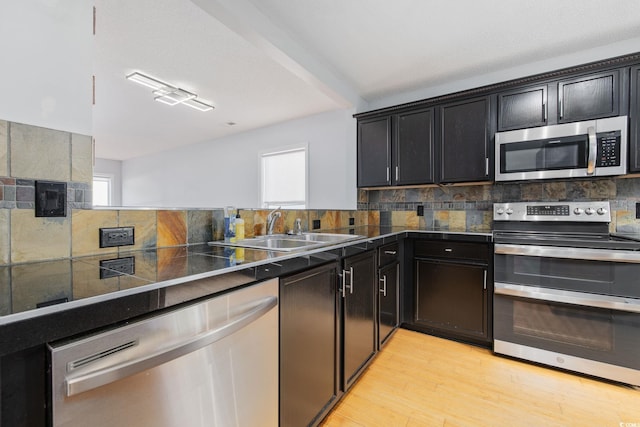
[(284, 178), (102, 190)]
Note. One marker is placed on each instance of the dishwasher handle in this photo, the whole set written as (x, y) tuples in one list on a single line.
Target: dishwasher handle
[(92, 380)]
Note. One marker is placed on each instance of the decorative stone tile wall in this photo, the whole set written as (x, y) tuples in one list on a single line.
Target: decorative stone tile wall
[(469, 208)]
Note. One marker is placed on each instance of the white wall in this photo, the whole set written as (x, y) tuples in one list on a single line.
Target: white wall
[(226, 171), (112, 168), (47, 63)]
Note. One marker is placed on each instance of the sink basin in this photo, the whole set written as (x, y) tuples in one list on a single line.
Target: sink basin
[(290, 242)]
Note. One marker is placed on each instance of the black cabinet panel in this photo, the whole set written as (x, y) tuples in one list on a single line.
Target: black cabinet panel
[(359, 340), (522, 108), (414, 148), (374, 152), (308, 345), (464, 138), (634, 121), (588, 97), (388, 297), (451, 297)]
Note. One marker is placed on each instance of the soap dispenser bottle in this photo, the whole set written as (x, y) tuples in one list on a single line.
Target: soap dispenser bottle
[(239, 236)]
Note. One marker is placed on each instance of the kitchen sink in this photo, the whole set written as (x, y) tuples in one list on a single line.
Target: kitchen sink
[(290, 242)]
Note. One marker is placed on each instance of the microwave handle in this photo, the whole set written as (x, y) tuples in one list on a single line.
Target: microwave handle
[(593, 150)]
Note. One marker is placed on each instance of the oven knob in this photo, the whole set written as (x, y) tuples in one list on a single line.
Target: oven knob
[(578, 211), (589, 211), (601, 211), (509, 211), (499, 211)]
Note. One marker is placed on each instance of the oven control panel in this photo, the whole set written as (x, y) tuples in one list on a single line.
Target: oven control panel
[(553, 211)]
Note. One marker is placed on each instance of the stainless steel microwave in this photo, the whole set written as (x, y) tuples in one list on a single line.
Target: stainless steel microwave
[(571, 150)]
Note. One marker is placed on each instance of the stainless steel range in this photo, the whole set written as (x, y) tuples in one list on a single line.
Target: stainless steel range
[(567, 292)]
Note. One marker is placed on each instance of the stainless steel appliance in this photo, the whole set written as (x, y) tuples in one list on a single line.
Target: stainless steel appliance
[(567, 292), (571, 150), (214, 363)]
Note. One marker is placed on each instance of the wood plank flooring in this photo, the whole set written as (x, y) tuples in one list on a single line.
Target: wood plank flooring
[(420, 380)]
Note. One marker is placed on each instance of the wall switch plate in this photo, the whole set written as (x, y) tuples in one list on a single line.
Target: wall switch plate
[(420, 210), (316, 224), (117, 236), (117, 267), (352, 221), (51, 199)]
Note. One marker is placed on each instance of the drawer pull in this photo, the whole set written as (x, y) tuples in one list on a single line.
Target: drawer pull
[(448, 250), (390, 252)]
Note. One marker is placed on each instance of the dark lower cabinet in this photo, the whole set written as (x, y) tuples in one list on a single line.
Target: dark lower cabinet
[(308, 346), (452, 288), (358, 314), (388, 297)]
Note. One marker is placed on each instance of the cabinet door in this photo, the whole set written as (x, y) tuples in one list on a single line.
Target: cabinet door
[(522, 108), (360, 291), (389, 280), (464, 141), (634, 121), (588, 97), (452, 298), (374, 152), (308, 345), (413, 148)]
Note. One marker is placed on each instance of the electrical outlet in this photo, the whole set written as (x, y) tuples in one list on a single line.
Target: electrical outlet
[(638, 210), (117, 267), (316, 224), (117, 236), (352, 221), (420, 210)]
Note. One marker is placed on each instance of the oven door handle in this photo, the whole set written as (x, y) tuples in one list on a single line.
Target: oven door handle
[(569, 253), (631, 305)]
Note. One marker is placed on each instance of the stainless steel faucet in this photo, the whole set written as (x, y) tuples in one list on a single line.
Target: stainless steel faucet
[(271, 219), (297, 226)]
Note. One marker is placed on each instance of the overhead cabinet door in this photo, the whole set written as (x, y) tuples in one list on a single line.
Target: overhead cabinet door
[(374, 152), (588, 97), (414, 147), (634, 121), (522, 108), (464, 137)]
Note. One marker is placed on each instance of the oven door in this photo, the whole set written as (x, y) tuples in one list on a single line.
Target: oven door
[(576, 309)]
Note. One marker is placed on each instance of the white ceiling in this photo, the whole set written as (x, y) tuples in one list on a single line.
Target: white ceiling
[(262, 62)]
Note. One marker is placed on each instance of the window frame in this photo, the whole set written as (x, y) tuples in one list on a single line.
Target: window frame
[(271, 204), (104, 177)]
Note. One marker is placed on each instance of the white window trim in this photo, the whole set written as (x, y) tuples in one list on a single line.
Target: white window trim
[(110, 178), (279, 150)]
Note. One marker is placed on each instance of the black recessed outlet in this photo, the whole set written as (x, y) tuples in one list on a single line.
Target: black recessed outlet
[(117, 267), (638, 210), (117, 236), (420, 210), (352, 221), (316, 224), (51, 199)]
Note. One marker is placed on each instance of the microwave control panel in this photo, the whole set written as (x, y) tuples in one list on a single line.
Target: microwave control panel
[(608, 153)]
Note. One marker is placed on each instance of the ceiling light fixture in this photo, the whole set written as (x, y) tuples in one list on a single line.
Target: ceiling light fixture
[(169, 94)]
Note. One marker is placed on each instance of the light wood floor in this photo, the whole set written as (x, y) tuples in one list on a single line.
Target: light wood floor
[(420, 380)]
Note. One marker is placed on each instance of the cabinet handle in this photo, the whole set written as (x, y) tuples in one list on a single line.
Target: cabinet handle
[(397, 173), (486, 166), (448, 250), (544, 112), (384, 286), (485, 280), (343, 289), (390, 252), (561, 106), (351, 280), (387, 173)]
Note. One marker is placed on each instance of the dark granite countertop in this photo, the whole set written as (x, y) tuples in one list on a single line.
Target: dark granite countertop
[(37, 296)]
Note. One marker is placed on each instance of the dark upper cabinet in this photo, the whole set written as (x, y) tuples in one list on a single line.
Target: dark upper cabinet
[(413, 152), (374, 152), (522, 108), (465, 141), (634, 121), (589, 97)]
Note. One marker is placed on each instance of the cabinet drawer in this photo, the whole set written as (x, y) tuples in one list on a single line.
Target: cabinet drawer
[(452, 250), (388, 254)]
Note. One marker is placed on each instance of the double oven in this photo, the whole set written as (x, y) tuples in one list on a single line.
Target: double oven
[(567, 292)]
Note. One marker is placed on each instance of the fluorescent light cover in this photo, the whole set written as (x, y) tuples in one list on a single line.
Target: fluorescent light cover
[(198, 105)]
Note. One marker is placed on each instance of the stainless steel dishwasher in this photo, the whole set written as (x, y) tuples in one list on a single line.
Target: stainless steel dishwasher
[(214, 363)]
